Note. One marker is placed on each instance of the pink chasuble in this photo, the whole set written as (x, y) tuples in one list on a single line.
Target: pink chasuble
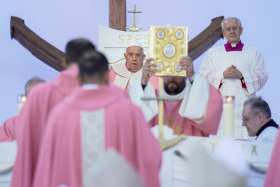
[(8, 129), (83, 126), (181, 125), (41, 101), (272, 178)]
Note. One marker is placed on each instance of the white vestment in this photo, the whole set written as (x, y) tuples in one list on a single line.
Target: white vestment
[(131, 82), (264, 145), (194, 99), (124, 77), (250, 63), (223, 166), (259, 154), (112, 170)]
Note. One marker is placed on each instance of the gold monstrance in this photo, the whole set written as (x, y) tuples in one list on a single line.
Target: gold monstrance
[(167, 46)]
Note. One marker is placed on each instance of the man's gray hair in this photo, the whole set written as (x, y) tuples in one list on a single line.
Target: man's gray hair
[(31, 82), (230, 19), (257, 104)]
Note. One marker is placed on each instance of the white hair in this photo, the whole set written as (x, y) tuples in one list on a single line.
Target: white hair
[(231, 19), (135, 45)]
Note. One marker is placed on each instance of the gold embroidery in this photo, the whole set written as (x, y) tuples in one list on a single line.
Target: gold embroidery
[(177, 128)]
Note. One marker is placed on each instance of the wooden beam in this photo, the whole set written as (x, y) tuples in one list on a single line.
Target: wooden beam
[(117, 15), (205, 39), (39, 47)]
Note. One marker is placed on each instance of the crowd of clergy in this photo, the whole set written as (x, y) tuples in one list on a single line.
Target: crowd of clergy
[(90, 126)]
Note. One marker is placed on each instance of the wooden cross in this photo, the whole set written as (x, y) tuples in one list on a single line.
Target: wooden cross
[(117, 14), (54, 57)]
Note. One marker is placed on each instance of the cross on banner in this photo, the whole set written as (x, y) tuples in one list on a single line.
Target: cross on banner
[(134, 27)]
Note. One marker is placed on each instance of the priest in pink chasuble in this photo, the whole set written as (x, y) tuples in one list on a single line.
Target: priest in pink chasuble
[(191, 106), (93, 119), (41, 101), (236, 69), (8, 130)]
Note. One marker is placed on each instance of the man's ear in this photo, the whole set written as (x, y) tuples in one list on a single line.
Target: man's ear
[(241, 30), (107, 77), (259, 116), (80, 80), (223, 34), (262, 116), (144, 56)]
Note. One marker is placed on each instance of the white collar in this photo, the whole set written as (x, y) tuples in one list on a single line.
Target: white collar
[(90, 86), (121, 70), (233, 44)]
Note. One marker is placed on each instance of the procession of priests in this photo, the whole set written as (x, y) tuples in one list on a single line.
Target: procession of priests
[(104, 125)]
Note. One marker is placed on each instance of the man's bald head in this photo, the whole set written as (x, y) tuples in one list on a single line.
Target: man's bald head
[(134, 57)]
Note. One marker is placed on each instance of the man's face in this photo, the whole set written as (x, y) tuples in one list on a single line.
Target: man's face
[(134, 57), (174, 85), (232, 31), (251, 120)]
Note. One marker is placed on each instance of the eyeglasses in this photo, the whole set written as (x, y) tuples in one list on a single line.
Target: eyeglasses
[(229, 29)]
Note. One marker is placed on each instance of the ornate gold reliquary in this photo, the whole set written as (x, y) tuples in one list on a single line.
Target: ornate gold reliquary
[(167, 46)]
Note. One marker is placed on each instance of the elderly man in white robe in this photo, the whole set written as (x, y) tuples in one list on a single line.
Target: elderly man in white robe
[(235, 69), (123, 74), (128, 76)]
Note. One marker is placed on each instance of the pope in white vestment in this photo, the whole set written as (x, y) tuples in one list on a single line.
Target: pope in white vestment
[(128, 76), (123, 74), (236, 70)]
